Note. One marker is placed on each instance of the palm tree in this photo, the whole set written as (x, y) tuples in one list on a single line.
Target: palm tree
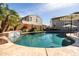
[(8, 17), (13, 19)]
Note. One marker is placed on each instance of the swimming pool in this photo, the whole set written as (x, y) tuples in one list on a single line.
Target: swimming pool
[(44, 40)]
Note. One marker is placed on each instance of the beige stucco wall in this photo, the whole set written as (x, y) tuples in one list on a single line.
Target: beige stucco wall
[(31, 19), (63, 20)]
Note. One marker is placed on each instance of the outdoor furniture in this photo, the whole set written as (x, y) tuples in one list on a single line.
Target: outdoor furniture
[(70, 27)]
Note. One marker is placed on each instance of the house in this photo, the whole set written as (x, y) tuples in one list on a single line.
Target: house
[(60, 22), (32, 22)]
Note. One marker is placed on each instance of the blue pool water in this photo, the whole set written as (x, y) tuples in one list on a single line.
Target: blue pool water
[(44, 40)]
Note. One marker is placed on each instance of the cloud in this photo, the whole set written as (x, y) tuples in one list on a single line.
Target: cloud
[(25, 11), (54, 6), (44, 8)]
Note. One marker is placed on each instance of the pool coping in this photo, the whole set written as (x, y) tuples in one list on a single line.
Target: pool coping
[(11, 49)]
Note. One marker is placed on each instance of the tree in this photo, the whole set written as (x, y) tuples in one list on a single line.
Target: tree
[(8, 17)]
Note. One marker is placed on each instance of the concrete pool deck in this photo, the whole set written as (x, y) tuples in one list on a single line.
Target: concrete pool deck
[(11, 49)]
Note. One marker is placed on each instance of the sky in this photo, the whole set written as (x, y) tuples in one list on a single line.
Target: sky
[(45, 10)]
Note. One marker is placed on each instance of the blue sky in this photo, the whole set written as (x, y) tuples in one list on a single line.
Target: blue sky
[(45, 10)]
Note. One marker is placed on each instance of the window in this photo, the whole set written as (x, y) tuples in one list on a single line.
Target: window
[(25, 18), (30, 19), (36, 20)]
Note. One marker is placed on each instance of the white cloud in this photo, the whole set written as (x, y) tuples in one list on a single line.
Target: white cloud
[(47, 7), (54, 6)]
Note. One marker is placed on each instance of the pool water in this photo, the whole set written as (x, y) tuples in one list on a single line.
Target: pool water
[(44, 40)]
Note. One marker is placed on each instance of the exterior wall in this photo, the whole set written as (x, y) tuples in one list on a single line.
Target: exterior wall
[(59, 22), (31, 22), (35, 20)]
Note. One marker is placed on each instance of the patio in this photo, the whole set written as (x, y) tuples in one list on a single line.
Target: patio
[(10, 49)]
